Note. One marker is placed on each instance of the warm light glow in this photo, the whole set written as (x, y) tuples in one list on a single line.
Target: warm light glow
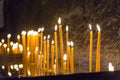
[(52, 42), (36, 49), (11, 43), (90, 26), (110, 67), (44, 37), (72, 44), (39, 29), (9, 35), (17, 69), (29, 73), (48, 37), (42, 29), (11, 67), (3, 67), (59, 20), (35, 33), (98, 27), (18, 36), (65, 57), (8, 49), (28, 53), (68, 43), (23, 32), (5, 45), (55, 27), (20, 65), (0, 44), (9, 74), (21, 47), (15, 66), (67, 28), (3, 40)]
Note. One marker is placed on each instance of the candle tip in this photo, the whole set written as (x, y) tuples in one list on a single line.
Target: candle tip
[(42, 29), (55, 27), (48, 37), (18, 36), (28, 53), (98, 28), (44, 37), (9, 35), (110, 67), (39, 29), (72, 44), (2, 40), (68, 43), (59, 20), (65, 57), (23, 32), (67, 28), (90, 26), (52, 42)]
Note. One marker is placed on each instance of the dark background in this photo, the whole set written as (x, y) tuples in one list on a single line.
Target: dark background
[(31, 14)]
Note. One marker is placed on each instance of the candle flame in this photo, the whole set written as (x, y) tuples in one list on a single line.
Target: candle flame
[(18, 36), (59, 20), (52, 42), (39, 29), (98, 28), (8, 49), (44, 37), (5, 45), (55, 27), (68, 43), (23, 33), (9, 35), (67, 28), (20, 65), (28, 53), (11, 66), (29, 73), (15, 66), (11, 43), (3, 40), (48, 37), (110, 67), (65, 57), (90, 26), (72, 44), (42, 29), (3, 67), (9, 74)]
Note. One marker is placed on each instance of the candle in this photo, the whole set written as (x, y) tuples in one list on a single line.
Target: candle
[(48, 46), (56, 48), (8, 40), (72, 57), (65, 64), (110, 67), (28, 62), (90, 51), (0, 47), (44, 66), (68, 57), (52, 52), (61, 42), (5, 46), (24, 52), (98, 49)]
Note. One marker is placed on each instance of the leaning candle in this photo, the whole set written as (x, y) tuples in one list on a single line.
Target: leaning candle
[(90, 51), (61, 42), (56, 48), (98, 49)]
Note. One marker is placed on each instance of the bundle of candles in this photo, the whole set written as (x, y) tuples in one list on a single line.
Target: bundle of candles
[(41, 58)]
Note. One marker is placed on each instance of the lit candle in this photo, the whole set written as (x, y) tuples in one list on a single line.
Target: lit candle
[(28, 62), (110, 67), (65, 64), (52, 52), (5, 46), (72, 57), (90, 51), (48, 46), (68, 56), (44, 66), (56, 48), (2, 45), (61, 41), (18, 39), (98, 49), (8, 40), (24, 52)]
